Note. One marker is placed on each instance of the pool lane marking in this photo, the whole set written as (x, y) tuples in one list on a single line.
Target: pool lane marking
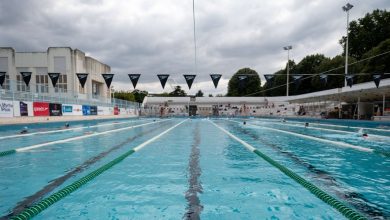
[(326, 129), (341, 207), (194, 207), (28, 201), (4, 153), (66, 129), (342, 144), (34, 210)]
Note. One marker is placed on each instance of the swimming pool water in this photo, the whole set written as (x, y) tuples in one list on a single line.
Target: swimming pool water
[(195, 171)]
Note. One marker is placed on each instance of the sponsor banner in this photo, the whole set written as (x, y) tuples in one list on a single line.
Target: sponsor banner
[(93, 110), (82, 78), (324, 79), (26, 77), (269, 78), (189, 79), (54, 78), (41, 109), (104, 110), (242, 81), (67, 109), (23, 107), (116, 110), (349, 79), (55, 109), (163, 79), (6, 109), (215, 78), (377, 78), (134, 79), (86, 110), (108, 78)]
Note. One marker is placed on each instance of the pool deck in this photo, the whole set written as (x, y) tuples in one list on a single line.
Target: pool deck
[(27, 120)]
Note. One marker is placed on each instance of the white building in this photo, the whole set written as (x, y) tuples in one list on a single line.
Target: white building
[(63, 60)]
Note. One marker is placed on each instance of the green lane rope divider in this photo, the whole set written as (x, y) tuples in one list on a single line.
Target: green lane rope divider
[(34, 210), (8, 152), (341, 207), (45, 203)]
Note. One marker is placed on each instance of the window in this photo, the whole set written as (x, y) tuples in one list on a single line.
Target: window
[(41, 80), (21, 85), (62, 84), (42, 85)]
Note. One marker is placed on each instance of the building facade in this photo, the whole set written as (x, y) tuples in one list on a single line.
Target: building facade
[(64, 60)]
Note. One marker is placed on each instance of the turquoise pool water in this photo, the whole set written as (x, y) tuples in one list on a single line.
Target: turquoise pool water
[(196, 170)]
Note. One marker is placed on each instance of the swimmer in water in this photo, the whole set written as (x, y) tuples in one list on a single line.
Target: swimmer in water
[(24, 130), (306, 124), (283, 120), (244, 123), (67, 125), (365, 135)]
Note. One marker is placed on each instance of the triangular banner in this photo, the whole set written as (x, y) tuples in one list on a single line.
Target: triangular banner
[(324, 79), (297, 80), (108, 78), (215, 78), (82, 78), (377, 78), (242, 80), (2, 78), (26, 77), (269, 78), (134, 79), (349, 79), (189, 80), (163, 79), (54, 78)]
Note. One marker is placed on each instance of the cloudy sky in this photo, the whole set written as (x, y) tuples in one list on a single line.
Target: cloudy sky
[(156, 37)]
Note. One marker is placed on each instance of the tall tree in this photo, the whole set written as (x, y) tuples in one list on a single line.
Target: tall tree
[(278, 87), (307, 65), (251, 85), (367, 33), (178, 92), (199, 94), (139, 95)]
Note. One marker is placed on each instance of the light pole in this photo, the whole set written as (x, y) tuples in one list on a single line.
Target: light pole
[(346, 8), (288, 48)]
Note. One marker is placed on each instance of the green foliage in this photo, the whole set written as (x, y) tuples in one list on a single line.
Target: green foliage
[(367, 33), (199, 94), (253, 84), (307, 65), (139, 95), (177, 92), (124, 95)]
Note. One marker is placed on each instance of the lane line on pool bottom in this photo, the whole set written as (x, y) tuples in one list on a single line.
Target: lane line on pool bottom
[(30, 212), (66, 129), (30, 200), (4, 153), (325, 129), (342, 144), (341, 207)]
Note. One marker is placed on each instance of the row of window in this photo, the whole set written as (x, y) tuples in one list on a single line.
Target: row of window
[(42, 84)]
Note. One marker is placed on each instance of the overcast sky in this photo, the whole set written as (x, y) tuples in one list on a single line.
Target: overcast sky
[(156, 37)]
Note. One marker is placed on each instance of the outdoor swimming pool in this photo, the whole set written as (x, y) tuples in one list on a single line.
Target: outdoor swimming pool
[(195, 168)]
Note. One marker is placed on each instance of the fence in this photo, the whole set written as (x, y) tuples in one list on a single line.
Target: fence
[(18, 91)]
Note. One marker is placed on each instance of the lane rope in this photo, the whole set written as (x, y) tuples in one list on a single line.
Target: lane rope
[(65, 130), (22, 149), (342, 144), (30, 212), (341, 207)]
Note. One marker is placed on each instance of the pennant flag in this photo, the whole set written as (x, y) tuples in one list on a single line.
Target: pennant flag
[(297, 80), (54, 78), (82, 78), (163, 79), (215, 78), (26, 77), (108, 78), (349, 79), (377, 78), (324, 78), (269, 78), (2, 78), (242, 80), (134, 79), (189, 80)]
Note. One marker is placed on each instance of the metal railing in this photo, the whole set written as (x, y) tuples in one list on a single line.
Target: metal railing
[(45, 93)]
